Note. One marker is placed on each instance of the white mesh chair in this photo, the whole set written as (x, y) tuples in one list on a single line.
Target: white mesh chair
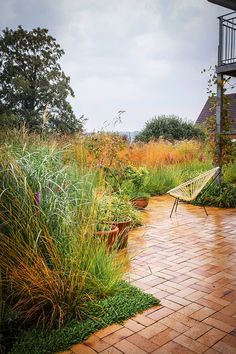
[(189, 190)]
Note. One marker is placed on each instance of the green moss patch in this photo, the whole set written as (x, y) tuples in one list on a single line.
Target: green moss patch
[(115, 309)]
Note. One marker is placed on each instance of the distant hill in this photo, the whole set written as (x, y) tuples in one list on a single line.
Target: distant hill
[(130, 135)]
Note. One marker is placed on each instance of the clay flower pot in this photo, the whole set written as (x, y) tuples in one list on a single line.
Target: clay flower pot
[(122, 237), (140, 202), (110, 236)]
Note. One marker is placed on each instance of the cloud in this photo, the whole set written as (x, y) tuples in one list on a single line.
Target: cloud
[(141, 56)]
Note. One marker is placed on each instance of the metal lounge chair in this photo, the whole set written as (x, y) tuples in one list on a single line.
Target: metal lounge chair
[(189, 190)]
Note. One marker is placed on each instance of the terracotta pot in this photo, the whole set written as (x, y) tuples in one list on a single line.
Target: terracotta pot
[(122, 237), (110, 235), (140, 203)]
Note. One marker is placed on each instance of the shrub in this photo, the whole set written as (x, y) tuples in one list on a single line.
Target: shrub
[(103, 148), (229, 172), (134, 182), (223, 196), (117, 208), (170, 128)]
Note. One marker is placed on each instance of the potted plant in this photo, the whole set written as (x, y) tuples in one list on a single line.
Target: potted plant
[(135, 186), (119, 212), (107, 233), (141, 200)]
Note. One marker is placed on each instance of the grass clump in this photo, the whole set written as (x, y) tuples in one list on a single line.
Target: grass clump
[(115, 309), (163, 178)]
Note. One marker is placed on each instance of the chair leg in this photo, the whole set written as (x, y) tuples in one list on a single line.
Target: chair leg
[(176, 206), (173, 207), (205, 210)]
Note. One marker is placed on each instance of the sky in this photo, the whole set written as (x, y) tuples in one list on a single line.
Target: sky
[(143, 57)]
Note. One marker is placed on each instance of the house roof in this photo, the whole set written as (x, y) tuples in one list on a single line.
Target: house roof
[(207, 111), (230, 4)]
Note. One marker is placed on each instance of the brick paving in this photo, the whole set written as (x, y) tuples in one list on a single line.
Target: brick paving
[(189, 263)]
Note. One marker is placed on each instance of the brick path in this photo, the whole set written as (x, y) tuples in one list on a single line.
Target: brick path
[(189, 262)]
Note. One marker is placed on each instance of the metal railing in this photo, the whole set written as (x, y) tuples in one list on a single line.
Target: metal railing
[(227, 39)]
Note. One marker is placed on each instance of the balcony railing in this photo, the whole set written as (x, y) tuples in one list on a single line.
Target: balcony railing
[(227, 39)]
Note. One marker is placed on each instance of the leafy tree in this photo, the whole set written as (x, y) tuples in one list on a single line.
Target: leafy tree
[(170, 128), (33, 87)]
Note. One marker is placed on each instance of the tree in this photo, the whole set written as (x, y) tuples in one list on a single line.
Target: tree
[(33, 87), (170, 128)]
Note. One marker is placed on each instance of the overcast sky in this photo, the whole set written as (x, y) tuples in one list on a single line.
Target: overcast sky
[(141, 56)]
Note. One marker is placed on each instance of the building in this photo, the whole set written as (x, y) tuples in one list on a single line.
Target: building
[(226, 65), (207, 112)]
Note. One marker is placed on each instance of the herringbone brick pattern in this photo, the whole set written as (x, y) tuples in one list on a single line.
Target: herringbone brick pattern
[(189, 263)]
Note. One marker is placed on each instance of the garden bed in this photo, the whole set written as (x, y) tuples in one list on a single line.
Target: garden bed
[(55, 274)]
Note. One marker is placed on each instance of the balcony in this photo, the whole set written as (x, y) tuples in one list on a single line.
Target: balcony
[(227, 45)]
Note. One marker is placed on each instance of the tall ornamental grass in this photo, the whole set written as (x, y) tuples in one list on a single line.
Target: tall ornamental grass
[(168, 164), (162, 153), (163, 178), (51, 264)]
